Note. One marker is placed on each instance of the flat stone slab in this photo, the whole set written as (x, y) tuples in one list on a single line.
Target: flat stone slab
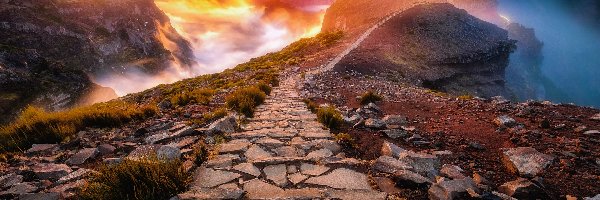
[(356, 194), (297, 178), (248, 168), (51, 171), (216, 193), (82, 156), (42, 148), (270, 142), (277, 174), (526, 161), (313, 170), (288, 151), (208, 178), (234, 146), (390, 165), (257, 189), (315, 134), (256, 153), (342, 178), (318, 154)]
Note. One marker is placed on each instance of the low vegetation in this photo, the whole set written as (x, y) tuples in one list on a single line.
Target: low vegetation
[(345, 140), (311, 105), (369, 97), (35, 126), (198, 96), (142, 179), (246, 100), (330, 117)]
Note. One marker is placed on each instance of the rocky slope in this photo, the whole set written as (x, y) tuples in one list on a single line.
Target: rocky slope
[(52, 47), (437, 46)]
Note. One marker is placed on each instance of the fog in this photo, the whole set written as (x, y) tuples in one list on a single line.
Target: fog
[(568, 69)]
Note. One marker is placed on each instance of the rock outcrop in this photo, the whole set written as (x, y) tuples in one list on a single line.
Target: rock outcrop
[(48, 48), (437, 46)]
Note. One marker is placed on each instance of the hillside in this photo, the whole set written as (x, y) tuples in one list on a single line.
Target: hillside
[(52, 48), (293, 125), (437, 46)]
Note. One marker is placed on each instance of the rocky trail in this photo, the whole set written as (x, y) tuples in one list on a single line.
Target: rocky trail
[(282, 153)]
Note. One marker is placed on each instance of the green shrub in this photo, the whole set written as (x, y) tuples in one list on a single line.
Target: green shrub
[(245, 100), (143, 179), (329, 117), (264, 87), (312, 106), (369, 97), (35, 126)]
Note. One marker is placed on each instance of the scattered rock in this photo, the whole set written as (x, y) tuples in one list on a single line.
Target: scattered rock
[(208, 178), (40, 196), (45, 171), (165, 104), (497, 100), (395, 133), (82, 156), (389, 149), (390, 165), (394, 121), (168, 152), (451, 189), (106, 149), (374, 123), (342, 178), (505, 121), (277, 174), (425, 164), (597, 197), (76, 175), (592, 133), (20, 188), (224, 125), (42, 149), (408, 178), (9, 180), (386, 185), (476, 146), (353, 119), (522, 189), (596, 117), (452, 171), (526, 161)]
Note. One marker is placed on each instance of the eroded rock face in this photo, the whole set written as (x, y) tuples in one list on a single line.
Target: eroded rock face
[(526, 161), (47, 58)]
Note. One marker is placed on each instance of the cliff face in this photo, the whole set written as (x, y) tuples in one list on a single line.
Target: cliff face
[(437, 46), (48, 48)]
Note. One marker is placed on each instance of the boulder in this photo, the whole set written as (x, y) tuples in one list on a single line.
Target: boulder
[(353, 119), (82, 156), (106, 149), (374, 123), (425, 164), (523, 189), (51, 171), (390, 165), (452, 189), (505, 121), (223, 125), (390, 149), (526, 161), (394, 121), (408, 178)]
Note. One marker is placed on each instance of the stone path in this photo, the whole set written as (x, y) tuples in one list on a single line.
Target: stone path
[(282, 153), (354, 45)]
